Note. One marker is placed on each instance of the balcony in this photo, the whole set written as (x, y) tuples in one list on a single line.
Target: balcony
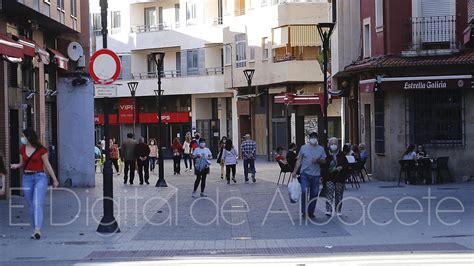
[(152, 28), (291, 57), (432, 36), (209, 80), (177, 73)]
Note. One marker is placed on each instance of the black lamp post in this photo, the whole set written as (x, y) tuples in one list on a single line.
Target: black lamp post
[(158, 58), (325, 31), (249, 76), (108, 224), (132, 86)]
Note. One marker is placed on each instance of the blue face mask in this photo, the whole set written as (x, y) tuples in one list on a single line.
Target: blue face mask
[(202, 144)]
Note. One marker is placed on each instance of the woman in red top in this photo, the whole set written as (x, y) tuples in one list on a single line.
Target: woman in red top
[(114, 155), (177, 149), (34, 161)]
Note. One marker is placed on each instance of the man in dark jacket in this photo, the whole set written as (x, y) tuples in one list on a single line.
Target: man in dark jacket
[(143, 161), (129, 157)]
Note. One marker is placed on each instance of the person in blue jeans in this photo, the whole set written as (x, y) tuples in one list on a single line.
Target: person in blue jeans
[(249, 153), (34, 160), (310, 159)]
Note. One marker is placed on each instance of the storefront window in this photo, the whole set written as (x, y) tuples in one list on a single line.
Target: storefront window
[(437, 117)]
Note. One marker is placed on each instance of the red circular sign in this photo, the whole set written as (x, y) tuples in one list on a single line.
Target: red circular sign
[(104, 66)]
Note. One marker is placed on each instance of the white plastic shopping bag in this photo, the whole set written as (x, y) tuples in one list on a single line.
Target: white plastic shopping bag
[(294, 189)]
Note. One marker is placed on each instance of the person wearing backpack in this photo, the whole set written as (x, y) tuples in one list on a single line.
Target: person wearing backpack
[(229, 158), (201, 156), (34, 160)]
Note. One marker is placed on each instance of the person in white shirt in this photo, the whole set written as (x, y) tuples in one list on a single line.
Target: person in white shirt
[(229, 159), (409, 153), (202, 157), (187, 153)]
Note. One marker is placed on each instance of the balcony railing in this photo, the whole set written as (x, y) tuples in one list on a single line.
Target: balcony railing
[(177, 73), (150, 28), (432, 33), (291, 57)]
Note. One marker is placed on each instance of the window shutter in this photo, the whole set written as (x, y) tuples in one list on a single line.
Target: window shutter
[(435, 8)]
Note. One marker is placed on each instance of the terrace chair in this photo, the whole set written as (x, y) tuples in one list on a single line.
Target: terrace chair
[(442, 166), (284, 169), (408, 167), (352, 176)]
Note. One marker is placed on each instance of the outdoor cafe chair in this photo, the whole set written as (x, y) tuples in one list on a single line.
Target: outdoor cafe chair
[(408, 167), (284, 169), (441, 166)]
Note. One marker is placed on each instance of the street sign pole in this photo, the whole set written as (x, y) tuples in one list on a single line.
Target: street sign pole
[(108, 224)]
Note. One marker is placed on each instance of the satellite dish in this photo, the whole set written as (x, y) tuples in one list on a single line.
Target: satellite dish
[(75, 51)]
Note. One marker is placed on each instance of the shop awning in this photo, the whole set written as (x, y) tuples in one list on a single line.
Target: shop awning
[(10, 49), (43, 55), (293, 99), (60, 59), (29, 46), (418, 83)]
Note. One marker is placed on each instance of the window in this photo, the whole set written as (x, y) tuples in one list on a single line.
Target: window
[(367, 38), (437, 117), (96, 23), (470, 9), (176, 14), (379, 15), (150, 17), (190, 13), (379, 115), (115, 20), (227, 55), (192, 62), (240, 50), (252, 53), (151, 65), (265, 53), (60, 5), (74, 8)]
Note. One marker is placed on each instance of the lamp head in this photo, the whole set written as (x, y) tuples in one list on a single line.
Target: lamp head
[(325, 30), (132, 86), (158, 57), (249, 74)]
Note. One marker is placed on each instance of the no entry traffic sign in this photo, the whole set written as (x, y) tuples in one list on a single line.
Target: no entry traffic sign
[(104, 66)]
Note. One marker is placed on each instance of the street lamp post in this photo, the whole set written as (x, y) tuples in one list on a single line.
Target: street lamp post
[(158, 58), (132, 86), (325, 31), (108, 224), (249, 76)]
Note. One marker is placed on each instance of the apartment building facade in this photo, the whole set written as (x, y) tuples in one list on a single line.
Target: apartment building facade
[(410, 81), (190, 35), (280, 41), (34, 39)]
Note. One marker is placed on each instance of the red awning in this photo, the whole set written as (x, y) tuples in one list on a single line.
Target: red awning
[(367, 86), (29, 46), (60, 59), (10, 48), (43, 55), (291, 98)]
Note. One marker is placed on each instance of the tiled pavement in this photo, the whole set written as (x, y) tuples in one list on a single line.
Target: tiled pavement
[(241, 220)]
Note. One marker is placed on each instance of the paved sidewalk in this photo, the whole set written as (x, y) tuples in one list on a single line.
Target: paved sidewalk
[(238, 220)]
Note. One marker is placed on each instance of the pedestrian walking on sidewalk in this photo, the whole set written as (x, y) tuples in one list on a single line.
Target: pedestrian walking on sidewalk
[(3, 175), (129, 157), (335, 176), (143, 162), (114, 155), (153, 154), (187, 153), (202, 157), (310, 159), (34, 160), (229, 158), (249, 153), (219, 156), (177, 150)]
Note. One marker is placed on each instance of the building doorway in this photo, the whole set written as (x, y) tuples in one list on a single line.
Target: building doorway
[(15, 183)]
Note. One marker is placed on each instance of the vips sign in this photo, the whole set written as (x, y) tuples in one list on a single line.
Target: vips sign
[(126, 111)]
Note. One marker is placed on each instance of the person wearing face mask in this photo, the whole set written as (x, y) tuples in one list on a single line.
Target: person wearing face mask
[(310, 159), (34, 161), (201, 156), (153, 154), (335, 177)]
